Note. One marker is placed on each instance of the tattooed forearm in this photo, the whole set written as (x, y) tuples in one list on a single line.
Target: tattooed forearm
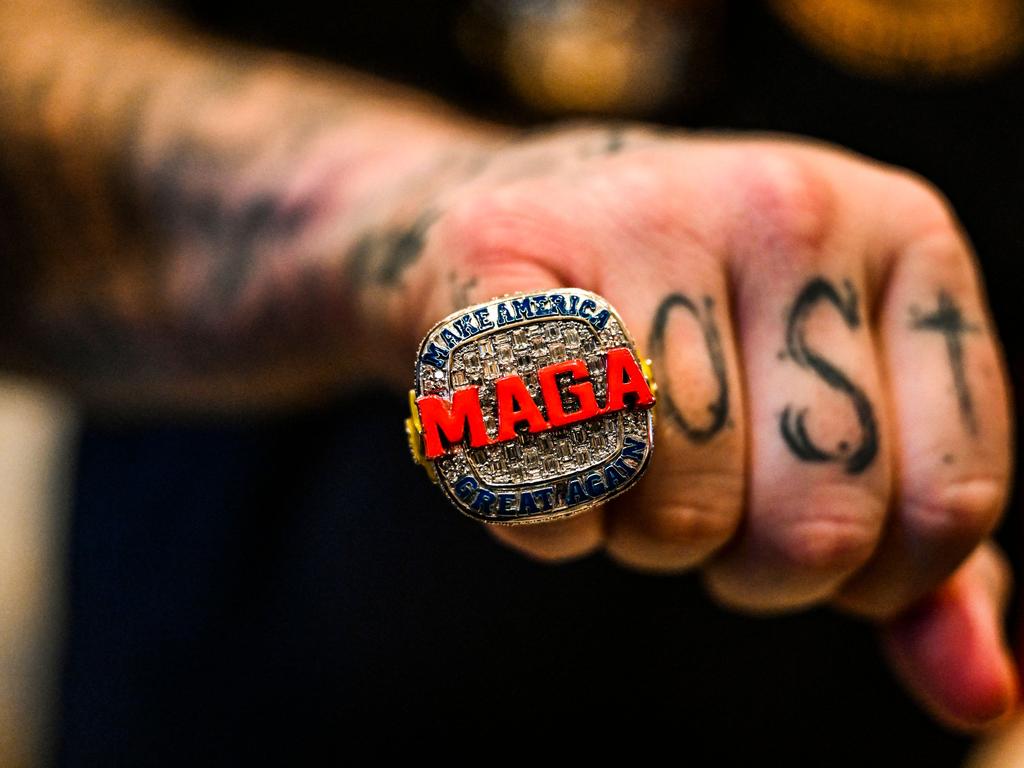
[(948, 320), (382, 256), (176, 196), (793, 421), (661, 350)]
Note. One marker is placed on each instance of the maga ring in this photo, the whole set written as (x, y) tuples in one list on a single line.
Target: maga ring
[(532, 407)]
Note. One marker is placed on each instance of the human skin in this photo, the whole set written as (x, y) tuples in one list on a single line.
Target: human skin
[(192, 227)]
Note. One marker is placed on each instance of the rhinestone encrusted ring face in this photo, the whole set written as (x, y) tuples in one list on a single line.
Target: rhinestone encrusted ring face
[(532, 406)]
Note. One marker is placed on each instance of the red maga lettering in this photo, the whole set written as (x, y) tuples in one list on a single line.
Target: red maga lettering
[(449, 420)]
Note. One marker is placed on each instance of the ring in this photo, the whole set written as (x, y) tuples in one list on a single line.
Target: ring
[(532, 407)]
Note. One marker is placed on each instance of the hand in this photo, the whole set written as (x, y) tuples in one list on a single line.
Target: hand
[(833, 420)]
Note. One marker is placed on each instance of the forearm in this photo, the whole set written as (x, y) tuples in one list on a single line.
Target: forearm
[(187, 220)]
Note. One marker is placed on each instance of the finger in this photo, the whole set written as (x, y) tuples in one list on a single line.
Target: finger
[(555, 541), (819, 463), (690, 502), (949, 404), (950, 650), (490, 247)]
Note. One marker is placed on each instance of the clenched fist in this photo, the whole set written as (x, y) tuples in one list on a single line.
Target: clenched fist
[(833, 419), (192, 225)]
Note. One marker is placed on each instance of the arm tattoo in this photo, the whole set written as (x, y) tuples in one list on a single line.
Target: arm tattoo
[(383, 256), (461, 290), (792, 422), (719, 408), (948, 319), (616, 140), (184, 206), (232, 233)]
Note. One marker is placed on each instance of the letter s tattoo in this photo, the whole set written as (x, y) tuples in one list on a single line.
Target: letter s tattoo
[(793, 421)]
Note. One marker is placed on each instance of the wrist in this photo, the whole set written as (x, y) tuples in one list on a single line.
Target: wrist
[(387, 269)]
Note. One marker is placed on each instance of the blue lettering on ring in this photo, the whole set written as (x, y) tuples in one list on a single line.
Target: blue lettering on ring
[(545, 495), (594, 485), (483, 319), (504, 316), (522, 308), (434, 356), (540, 306), (633, 449), (465, 486), (465, 326), (450, 339), (526, 504), (483, 501), (575, 494)]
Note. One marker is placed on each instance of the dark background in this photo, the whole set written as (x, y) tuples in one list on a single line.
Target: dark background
[(241, 592)]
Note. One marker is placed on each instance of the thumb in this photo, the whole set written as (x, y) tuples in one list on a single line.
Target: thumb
[(950, 649)]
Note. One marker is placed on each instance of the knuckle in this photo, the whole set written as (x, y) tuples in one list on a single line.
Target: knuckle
[(921, 202), (834, 531), (826, 546), (704, 526), (705, 517), (798, 547), (786, 208), (674, 536), (936, 236), (502, 227), (961, 511)]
